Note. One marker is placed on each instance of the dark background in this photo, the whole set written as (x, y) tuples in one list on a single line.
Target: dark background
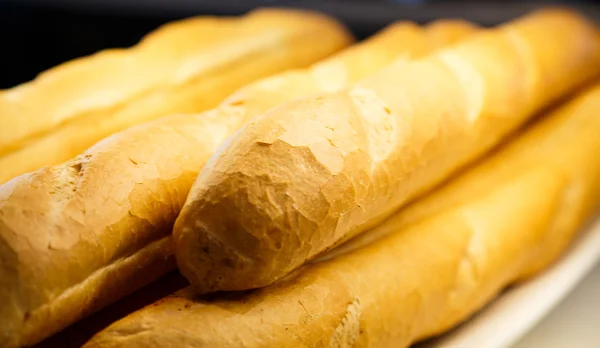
[(38, 34)]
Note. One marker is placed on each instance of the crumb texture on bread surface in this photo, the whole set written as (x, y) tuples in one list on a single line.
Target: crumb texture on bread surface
[(314, 172)]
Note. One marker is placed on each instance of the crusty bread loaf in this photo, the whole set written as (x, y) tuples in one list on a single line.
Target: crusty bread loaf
[(187, 66), (443, 258), (314, 172), (76, 236)]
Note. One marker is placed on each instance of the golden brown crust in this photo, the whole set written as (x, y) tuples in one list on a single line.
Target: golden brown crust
[(442, 32), (108, 205), (430, 266), (314, 172), (184, 67), (81, 234)]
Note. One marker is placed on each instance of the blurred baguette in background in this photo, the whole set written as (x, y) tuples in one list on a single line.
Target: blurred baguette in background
[(185, 66)]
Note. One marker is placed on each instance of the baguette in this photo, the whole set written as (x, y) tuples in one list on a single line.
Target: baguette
[(187, 66), (434, 264), (77, 236), (312, 173)]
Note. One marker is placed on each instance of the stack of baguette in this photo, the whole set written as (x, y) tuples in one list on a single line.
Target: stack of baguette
[(378, 197)]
